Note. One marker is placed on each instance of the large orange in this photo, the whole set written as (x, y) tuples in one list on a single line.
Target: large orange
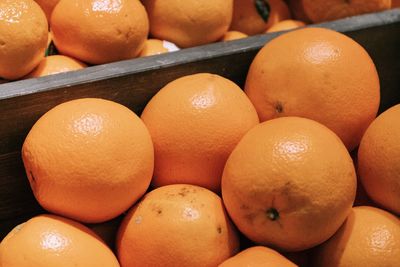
[(191, 22), (23, 37), (369, 237), (99, 31), (195, 122), (177, 225), (379, 160), (257, 257), (256, 16), (88, 159), (55, 64), (48, 241), (47, 6), (289, 183), (318, 74)]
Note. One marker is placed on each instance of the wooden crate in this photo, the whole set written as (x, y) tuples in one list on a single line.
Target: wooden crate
[(133, 82)]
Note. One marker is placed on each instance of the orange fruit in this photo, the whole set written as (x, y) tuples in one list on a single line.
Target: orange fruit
[(319, 74), (379, 160), (23, 37), (177, 225), (395, 3), (326, 10), (289, 183), (99, 31), (156, 47), (369, 237), (88, 159), (297, 10), (257, 257), (55, 64), (233, 35), (47, 6), (48, 240), (191, 22), (195, 122), (285, 25), (254, 17)]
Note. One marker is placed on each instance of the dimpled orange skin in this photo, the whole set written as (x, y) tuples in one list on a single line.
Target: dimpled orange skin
[(379, 160), (289, 184), (177, 225), (88, 159), (285, 25), (189, 23), (258, 256), (233, 35), (56, 64), (153, 47), (246, 18), (99, 31), (23, 37), (318, 74), (209, 114), (369, 237), (47, 6), (48, 241)]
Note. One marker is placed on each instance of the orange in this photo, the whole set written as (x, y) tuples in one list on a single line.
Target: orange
[(285, 25), (233, 35), (177, 225), (319, 74), (395, 3), (257, 257), (297, 10), (47, 6), (379, 160), (195, 122), (99, 31), (326, 10), (191, 22), (55, 64), (156, 47), (23, 37), (289, 183), (254, 17), (88, 159), (48, 241), (369, 237)]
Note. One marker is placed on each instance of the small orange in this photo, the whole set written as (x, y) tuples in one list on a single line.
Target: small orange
[(177, 225), (233, 35), (256, 16), (23, 37), (195, 122), (318, 74), (191, 22), (88, 159), (55, 64), (47, 6), (99, 31), (156, 47), (289, 183), (48, 241), (285, 25), (369, 237), (379, 160), (257, 257)]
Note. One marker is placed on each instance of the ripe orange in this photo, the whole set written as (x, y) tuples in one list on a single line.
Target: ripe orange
[(233, 35), (379, 160), (156, 47), (99, 31), (318, 74), (191, 22), (23, 37), (55, 64), (395, 3), (47, 6), (88, 159), (195, 122), (289, 183), (177, 225), (326, 10), (257, 257), (369, 237), (48, 241), (254, 17), (285, 25)]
